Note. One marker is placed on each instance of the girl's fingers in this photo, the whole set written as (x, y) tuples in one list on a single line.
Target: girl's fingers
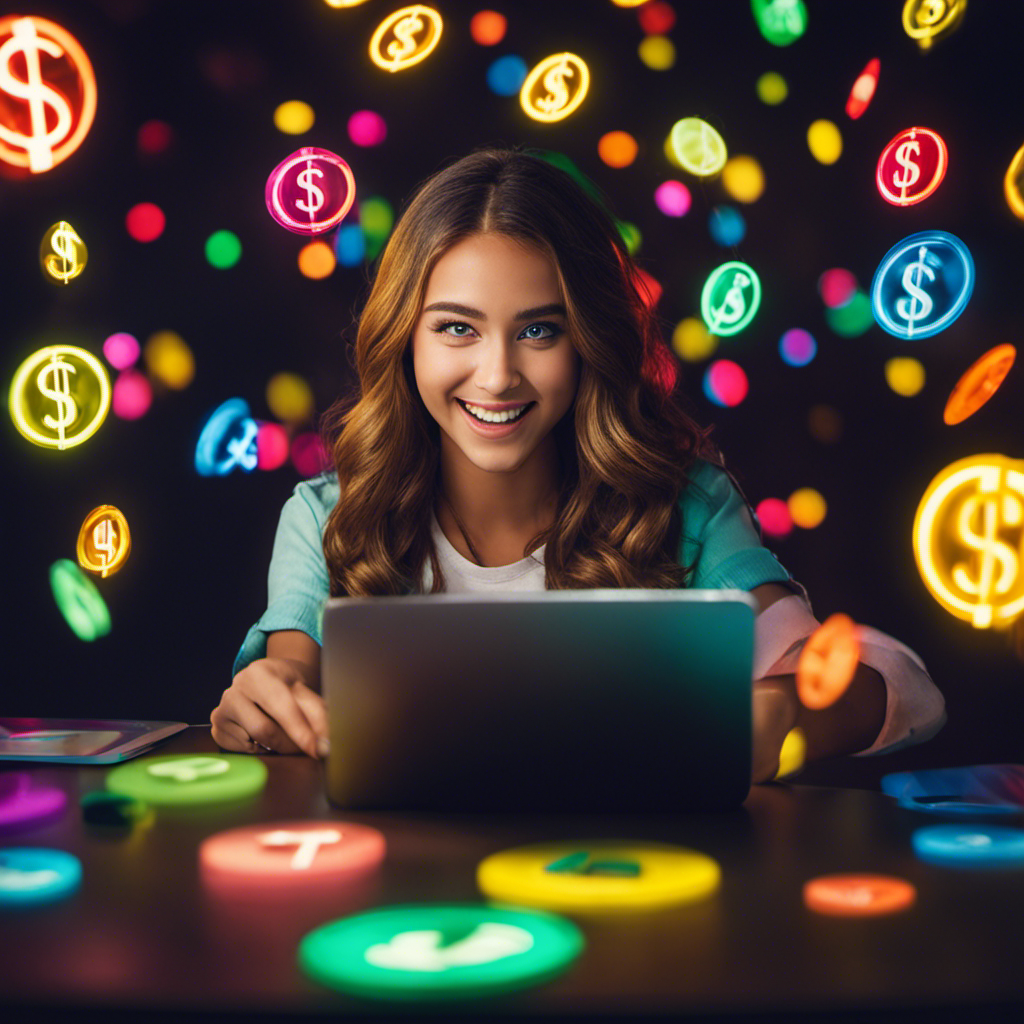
[(230, 735), (278, 720), (261, 727)]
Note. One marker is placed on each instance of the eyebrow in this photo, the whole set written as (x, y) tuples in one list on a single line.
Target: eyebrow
[(477, 314)]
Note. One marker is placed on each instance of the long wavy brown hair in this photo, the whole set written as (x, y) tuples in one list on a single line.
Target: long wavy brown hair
[(625, 445)]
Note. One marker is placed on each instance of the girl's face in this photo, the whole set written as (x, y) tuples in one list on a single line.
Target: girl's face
[(493, 330)]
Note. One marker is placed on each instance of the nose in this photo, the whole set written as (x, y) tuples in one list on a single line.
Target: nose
[(496, 372)]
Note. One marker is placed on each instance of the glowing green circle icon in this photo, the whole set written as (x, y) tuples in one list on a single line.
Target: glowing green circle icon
[(731, 297), (79, 601), (181, 779), (439, 951)]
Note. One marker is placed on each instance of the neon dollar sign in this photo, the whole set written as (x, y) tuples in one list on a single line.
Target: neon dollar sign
[(65, 242), (67, 409), (313, 194), (733, 305), (930, 12), (907, 308), (404, 42), (103, 540), (39, 96), (996, 509), (554, 81), (913, 172)]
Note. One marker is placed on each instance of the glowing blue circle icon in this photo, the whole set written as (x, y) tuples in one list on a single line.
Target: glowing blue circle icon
[(726, 225), (922, 284), (506, 75), (36, 874), (227, 440), (964, 846)]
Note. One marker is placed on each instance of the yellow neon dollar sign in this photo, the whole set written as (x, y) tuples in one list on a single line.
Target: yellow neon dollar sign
[(404, 42), (63, 264), (103, 540), (994, 507), (557, 94), (39, 145), (930, 12), (67, 410)]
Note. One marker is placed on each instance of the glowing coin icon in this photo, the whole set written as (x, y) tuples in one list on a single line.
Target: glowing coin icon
[(62, 254), (927, 20), (697, 147), (59, 396), (968, 537), (292, 853), (115, 810), (47, 93), (228, 439), (730, 298), (555, 87), (104, 541), (439, 951), (980, 382), (858, 895), (781, 22), (828, 662), (26, 804), (184, 779), (911, 166), (310, 191), (1012, 183), (922, 284), (598, 876), (79, 601), (34, 874), (974, 846), (405, 37)]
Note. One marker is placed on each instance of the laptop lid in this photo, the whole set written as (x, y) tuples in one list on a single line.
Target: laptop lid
[(603, 701)]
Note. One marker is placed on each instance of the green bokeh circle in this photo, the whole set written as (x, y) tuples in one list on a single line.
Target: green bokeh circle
[(335, 953), (244, 776), (223, 249)]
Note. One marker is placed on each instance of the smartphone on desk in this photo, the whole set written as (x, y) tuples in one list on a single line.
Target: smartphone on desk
[(80, 740)]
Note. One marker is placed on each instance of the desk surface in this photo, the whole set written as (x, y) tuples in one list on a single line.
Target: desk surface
[(142, 933)]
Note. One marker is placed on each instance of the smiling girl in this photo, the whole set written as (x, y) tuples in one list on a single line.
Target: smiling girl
[(517, 427)]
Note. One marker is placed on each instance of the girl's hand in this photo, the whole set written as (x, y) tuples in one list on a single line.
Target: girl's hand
[(774, 712), (268, 704)]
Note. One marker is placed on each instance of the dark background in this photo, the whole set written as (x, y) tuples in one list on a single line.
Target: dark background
[(196, 577)]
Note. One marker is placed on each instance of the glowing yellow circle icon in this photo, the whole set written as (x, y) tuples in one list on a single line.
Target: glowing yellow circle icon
[(560, 97), (598, 876), (412, 34), (104, 541), (59, 396), (697, 147), (63, 254), (927, 20), (967, 539)]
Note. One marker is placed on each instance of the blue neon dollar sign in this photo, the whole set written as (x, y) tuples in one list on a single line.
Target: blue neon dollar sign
[(67, 409), (314, 197), (908, 308)]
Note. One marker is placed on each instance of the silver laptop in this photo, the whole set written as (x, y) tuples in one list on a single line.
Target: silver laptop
[(596, 701)]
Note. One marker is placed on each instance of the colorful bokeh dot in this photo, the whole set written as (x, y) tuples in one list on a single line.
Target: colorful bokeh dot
[(773, 515), (772, 88), (367, 128), (289, 398), (121, 350), (904, 375), (726, 225), (223, 249), (308, 454), (692, 341), (657, 52), (837, 287), (145, 222), (617, 149), (725, 383), (169, 360), (825, 424), (853, 319), (672, 198), (824, 141), (487, 28), (293, 117), (506, 75), (317, 260), (743, 178), (807, 508), (131, 395), (271, 446), (350, 245), (153, 138), (656, 17), (797, 347)]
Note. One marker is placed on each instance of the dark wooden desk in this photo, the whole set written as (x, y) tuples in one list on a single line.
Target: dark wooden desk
[(143, 939)]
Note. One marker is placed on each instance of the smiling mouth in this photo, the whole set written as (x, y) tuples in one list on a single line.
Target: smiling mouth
[(521, 412)]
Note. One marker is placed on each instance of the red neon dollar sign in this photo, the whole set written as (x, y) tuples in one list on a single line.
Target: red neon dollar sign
[(39, 145)]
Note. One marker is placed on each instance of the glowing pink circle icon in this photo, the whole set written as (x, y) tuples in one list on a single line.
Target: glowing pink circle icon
[(367, 128), (121, 350), (131, 395), (773, 515), (310, 191), (26, 804)]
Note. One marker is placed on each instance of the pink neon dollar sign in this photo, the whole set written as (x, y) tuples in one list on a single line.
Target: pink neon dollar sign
[(314, 197)]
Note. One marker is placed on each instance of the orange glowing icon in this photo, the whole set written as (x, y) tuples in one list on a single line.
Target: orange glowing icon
[(979, 383), (103, 541), (47, 93), (863, 89), (405, 37), (858, 895), (911, 167), (828, 662), (555, 87)]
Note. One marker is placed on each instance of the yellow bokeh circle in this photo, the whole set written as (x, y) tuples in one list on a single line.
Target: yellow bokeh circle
[(807, 508), (657, 52), (692, 341), (743, 179), (169, 360), (824, 141), (904, 375), (293, 117), (772, 88), (289, 398)]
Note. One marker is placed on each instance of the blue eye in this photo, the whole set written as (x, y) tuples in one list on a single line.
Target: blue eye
[(555, 330)]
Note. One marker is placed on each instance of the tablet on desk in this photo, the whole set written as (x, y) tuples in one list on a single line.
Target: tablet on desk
[(80, 740), (615, 701)]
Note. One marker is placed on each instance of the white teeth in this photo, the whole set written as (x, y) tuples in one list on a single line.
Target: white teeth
[(495, 417)]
